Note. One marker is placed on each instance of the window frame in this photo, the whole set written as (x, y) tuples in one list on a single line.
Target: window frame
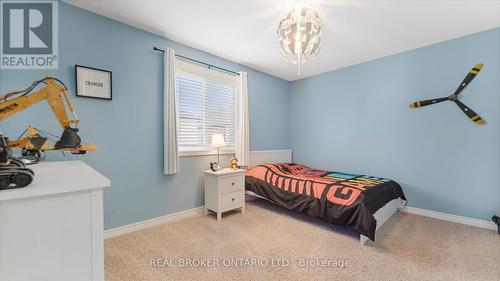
[(229, 79)]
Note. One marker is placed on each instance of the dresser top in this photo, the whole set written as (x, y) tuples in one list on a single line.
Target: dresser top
[(225, 171), (58, 177)]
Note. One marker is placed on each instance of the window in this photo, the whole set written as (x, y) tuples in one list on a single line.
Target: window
[(206, 105)]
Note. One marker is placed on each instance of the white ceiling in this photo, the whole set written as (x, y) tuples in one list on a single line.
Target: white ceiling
[(354, 31)]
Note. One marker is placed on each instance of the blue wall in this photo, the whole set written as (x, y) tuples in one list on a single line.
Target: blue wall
[(357, 119), (354, 119), (129, 128)]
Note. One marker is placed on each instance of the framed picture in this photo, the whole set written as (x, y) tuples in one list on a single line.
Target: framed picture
[(93, 83)]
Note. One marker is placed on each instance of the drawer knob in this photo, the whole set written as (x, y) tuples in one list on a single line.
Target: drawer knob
[(232, 183), (233, 199)]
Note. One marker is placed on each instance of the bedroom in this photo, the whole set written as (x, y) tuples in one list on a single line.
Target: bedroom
[(348, 111)]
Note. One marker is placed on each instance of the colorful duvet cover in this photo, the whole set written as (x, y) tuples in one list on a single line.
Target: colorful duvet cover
[(339, 198)]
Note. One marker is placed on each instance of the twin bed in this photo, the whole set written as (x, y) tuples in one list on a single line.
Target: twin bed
[(361, 202)]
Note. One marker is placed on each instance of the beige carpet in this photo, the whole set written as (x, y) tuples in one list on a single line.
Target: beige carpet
[(408, 247)]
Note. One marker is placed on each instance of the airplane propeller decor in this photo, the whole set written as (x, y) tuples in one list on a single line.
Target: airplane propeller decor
[(454, 97)]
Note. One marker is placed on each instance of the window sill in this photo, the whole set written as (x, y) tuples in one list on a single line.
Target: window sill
[(188, 153)]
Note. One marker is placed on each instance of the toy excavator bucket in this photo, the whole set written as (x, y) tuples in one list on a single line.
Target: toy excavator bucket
[(69, 139), (38, 141)]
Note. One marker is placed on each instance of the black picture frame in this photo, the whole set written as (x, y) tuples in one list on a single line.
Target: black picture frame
[(106, 72)]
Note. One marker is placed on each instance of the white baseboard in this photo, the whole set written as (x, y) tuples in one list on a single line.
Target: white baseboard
[(449, 217), (110, 233)]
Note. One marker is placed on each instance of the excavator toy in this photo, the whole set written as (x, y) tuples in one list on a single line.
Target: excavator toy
[(13, 172)]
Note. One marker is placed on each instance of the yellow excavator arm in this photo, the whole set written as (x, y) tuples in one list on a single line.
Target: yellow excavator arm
[(53, 93), (57, 97)]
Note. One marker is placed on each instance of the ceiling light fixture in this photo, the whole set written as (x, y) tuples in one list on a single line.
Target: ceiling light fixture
[(299, 35)]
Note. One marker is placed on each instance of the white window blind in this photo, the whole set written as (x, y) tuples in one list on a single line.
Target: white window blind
[(206, 105)]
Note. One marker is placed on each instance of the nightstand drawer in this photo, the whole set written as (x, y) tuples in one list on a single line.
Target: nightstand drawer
[(231, 184), (231, 200)]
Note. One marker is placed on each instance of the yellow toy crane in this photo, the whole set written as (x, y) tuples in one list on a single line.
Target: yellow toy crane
[(32, 144), (13, 173)]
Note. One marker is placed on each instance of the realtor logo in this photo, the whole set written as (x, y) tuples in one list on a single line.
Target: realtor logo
[(29, 34)]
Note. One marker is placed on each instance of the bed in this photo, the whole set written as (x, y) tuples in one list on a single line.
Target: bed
[(361, 202)]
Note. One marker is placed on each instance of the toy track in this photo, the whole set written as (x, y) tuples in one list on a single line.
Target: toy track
[(15, 177)]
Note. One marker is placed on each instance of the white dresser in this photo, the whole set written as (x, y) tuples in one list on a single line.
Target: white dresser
[(224, 191), (53, 229)]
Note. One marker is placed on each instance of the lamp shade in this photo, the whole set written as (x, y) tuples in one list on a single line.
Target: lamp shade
[(218, 140)]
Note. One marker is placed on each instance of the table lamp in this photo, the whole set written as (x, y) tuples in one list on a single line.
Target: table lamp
[(218, 142)]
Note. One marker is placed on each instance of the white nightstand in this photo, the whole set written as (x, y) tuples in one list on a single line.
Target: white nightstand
[(224, 191)]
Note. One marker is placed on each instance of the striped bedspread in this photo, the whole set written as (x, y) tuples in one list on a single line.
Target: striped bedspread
[(339, 198)]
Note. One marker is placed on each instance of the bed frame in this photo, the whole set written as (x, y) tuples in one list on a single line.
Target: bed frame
[(285, 155)]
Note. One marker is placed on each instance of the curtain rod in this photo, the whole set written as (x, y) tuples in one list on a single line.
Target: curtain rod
[(210, 66)]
